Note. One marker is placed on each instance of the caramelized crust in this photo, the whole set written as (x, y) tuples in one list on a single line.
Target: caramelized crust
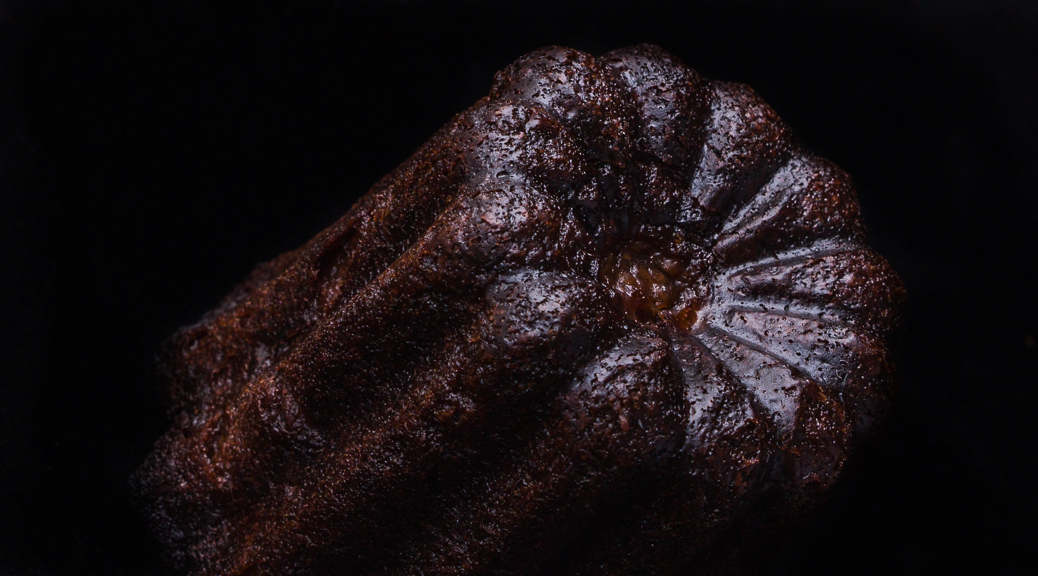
[(600, 322)]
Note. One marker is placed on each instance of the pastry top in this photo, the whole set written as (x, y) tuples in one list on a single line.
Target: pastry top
[(609, 281)]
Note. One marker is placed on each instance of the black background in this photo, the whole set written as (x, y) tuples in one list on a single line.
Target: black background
[(152, 153)]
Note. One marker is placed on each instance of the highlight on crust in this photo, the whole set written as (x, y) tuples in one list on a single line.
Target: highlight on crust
[(608, 320)]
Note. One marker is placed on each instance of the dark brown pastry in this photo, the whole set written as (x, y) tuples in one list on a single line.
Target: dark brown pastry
[(609, 320)]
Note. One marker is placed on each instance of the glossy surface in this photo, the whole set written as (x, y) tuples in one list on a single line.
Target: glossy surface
[(609, 320)]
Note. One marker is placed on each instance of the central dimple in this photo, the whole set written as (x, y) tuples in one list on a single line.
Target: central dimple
[(653, 283)]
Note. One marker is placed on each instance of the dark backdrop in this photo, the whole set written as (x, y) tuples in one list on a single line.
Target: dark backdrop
[(152, 153)]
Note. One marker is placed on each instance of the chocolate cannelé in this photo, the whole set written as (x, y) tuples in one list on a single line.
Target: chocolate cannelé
[(601, 321)]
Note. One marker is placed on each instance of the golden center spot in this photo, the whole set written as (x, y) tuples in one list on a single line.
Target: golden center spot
[(651, 284)]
